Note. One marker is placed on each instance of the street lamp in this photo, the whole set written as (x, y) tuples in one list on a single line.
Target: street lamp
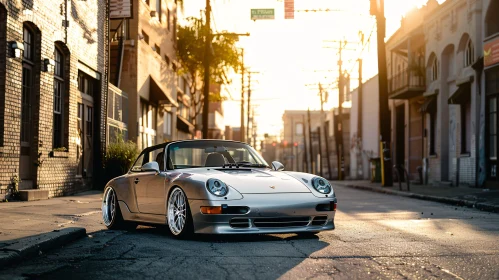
[(16, 49), (48, 64)]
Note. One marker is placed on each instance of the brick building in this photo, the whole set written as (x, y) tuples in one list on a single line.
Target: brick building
[(143, 65), (453, 46), (489, 98), (52, 94)]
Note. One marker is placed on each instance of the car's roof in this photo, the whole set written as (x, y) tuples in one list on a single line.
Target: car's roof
[(163, 145)]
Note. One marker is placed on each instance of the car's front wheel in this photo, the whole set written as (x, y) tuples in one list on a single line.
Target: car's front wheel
[(111, 213), (179, 215)]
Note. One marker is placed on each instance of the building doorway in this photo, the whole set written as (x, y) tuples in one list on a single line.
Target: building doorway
[(400, 135), (27, 168), (88, 88), (492, 140)]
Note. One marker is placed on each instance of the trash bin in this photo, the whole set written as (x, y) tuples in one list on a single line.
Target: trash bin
[(375, 170)]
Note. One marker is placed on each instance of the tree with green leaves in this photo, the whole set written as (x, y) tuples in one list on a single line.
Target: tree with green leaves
[(190, 53)]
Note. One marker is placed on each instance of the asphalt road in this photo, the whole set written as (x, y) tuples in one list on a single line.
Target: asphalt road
[(377, 236)]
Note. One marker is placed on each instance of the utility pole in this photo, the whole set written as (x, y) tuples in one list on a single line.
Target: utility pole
[(305, 155), (338, 127), (360, 108), (249, 104), (320, 156), (310, 142), (323, 124), (207, 62), (242, 131), (378, 9)]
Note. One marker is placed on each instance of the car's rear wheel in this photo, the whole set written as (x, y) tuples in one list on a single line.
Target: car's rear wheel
[(179, 215), (111, 212)]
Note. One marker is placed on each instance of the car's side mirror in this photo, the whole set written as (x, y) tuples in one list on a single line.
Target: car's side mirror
[(277, 166), (151, 166)]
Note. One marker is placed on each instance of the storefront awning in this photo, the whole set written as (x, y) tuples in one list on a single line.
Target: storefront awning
[(184, 125), (430, 104), (158, 95), (463, 92)]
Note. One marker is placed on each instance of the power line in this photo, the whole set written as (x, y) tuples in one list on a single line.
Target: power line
[(363, 47)]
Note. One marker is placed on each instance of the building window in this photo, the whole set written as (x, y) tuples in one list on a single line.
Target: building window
[(433, 134), (59, 89), (466, 127), (157, 49), (86, 84), (28, 45), (158, 9), (168, 19), (3, 66), (89, 121), (167, 123), (434, 69), (491, 19), (299, 129), (146, 37), (148, 2), (144, 114), (27, 85), (493, 123), (469, 54)]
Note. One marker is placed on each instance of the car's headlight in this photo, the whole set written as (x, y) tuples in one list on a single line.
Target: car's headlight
[(321, 185), (217, 187)]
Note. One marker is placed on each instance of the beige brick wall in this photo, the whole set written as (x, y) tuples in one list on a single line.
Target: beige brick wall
[(84, 41)]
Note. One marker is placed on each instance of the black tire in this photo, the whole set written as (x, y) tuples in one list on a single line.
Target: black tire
[(187, 230), (114, 219)]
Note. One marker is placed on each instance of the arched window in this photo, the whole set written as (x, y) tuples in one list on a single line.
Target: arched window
[(27, 84), (434, 69), (491, 19), (469, 54), (59, 90), (3, 68)]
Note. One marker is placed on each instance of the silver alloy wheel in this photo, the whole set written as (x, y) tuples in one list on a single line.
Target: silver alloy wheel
[(177, 211), (109, 207)]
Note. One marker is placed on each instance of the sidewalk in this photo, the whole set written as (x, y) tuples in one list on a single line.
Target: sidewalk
[(30, 228), (482, 199)]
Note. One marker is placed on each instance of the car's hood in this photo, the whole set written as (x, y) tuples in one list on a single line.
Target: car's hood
[(257, 181)]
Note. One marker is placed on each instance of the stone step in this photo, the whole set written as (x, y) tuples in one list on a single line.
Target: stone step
[(26, 185), (30, 195)]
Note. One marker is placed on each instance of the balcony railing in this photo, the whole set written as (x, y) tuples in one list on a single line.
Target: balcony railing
[(407, 80)]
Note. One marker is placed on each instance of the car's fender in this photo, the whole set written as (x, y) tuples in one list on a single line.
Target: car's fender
[(124, 192), (194, 186)]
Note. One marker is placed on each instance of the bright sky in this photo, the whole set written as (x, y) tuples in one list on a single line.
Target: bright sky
[(293, 55)]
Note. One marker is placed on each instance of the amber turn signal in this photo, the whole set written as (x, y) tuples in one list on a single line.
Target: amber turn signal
[(211, 209)]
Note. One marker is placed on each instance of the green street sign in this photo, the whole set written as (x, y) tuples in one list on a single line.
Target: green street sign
[(262, 14)]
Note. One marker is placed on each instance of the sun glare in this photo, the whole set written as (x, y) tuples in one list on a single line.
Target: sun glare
[(293, 55)]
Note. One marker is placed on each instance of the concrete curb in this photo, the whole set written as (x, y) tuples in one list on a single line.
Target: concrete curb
[(29, 247), (447, 200)]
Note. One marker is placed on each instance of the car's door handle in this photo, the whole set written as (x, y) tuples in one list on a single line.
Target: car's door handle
[(137, 180)]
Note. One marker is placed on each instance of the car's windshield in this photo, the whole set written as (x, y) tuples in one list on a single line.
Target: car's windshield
[(212, 154)]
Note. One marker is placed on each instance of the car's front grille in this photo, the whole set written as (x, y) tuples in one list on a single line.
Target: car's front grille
[(240, 223), (281, 222), (319, 221)]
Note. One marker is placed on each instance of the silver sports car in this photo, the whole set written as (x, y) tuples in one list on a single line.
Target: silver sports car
[(217, 187)]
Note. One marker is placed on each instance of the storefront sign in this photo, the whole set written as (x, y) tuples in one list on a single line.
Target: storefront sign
[(120, 9), (491, 52), (262, 14)]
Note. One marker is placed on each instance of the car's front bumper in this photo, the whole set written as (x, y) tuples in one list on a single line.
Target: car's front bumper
[(268, 213)]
